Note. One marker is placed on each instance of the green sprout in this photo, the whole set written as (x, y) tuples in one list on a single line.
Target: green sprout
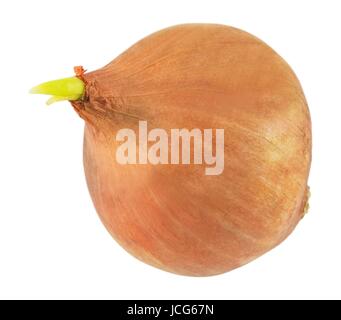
[(60, 90)]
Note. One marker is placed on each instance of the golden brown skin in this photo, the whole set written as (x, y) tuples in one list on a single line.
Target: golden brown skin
[(175, 217)]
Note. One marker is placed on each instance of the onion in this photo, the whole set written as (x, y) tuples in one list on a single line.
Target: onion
[(203, 76)]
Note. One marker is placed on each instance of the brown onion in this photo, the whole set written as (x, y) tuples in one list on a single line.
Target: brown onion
[(175, 217)]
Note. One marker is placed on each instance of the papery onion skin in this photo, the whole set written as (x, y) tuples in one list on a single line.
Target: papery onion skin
[(175, 217)]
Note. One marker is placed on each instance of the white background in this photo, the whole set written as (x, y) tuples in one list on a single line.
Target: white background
[(52, 244)]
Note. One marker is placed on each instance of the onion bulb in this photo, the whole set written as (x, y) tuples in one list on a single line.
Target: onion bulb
[(205, 77)]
